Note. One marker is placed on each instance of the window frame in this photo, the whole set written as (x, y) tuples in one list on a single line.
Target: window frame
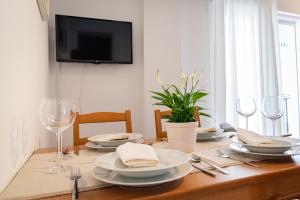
[(294, 19)]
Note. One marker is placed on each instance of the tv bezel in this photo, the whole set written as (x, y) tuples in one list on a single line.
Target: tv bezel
[(92, 61)]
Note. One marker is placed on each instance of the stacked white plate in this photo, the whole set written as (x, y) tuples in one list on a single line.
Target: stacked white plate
[(211, 135), (173, 165), (282, 147), (100, 142)]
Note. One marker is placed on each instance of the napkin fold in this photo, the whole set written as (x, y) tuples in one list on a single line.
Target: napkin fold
[(252, 138), (112, 137), (206, 130), (137, 155)]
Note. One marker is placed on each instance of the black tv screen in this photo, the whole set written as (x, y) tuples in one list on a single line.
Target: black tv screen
[(89, 40)]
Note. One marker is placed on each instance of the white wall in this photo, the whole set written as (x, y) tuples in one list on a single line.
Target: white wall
[(105, 87), (194, 34), (292, 6), (169, 36), (194, 31), (24, 82), (161, 51)]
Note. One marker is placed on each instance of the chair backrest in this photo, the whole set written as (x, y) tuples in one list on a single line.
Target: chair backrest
[(160, 134), (99, 117)]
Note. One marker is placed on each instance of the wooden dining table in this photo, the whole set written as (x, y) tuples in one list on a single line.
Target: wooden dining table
[(274, 179)]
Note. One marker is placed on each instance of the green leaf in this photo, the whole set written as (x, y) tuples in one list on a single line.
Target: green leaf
[(182, 104), (205, 114), (159, 94)]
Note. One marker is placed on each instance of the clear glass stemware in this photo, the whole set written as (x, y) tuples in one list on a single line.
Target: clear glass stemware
[(56, 116), (246, 107), (273, 108)]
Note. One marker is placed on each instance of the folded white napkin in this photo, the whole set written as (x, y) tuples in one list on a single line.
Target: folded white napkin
[(112, 137), (137, 155), (252, 138), (206, 130)]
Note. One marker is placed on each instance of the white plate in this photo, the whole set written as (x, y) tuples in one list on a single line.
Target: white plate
[(241, 149), (206, 135), (114, 143), (99, 147), (113, 177), (294, 141), (211, 136), (279, 146), (168, 158)]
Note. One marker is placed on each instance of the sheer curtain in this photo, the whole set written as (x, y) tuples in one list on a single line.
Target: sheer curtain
[(217, 68), (251, 54)]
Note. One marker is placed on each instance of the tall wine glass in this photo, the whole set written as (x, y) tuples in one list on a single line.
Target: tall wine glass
[(273, 108), (246, 107), (56, 116)]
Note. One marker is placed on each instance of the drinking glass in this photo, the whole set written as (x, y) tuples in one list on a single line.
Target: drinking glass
[(246, 107), (273, 108), (56, 116)]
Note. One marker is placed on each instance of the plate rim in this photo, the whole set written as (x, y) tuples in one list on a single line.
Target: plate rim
[(233, 139), (261, 154), (144, 169), (102, 147), (218, 131), (139, 136), (187, 172), (213, 137)]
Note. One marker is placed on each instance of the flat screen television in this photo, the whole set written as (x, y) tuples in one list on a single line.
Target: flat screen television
[(90, 40)]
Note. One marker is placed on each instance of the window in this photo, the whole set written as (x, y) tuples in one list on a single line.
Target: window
[(289, 33)]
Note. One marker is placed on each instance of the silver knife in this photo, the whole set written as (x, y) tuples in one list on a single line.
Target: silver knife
[(215, 166), (204, 170)]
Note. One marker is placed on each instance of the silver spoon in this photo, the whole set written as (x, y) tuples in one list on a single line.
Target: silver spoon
[(199, 159), (202, 169)]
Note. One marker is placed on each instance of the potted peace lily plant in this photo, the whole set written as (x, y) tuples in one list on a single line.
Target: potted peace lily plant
[(181, 124)]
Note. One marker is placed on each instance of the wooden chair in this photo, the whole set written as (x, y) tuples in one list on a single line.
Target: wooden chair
[(99, 117), (160, 134)]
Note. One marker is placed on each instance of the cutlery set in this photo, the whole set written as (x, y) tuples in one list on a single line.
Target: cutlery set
[(223, 155), (196, 158)]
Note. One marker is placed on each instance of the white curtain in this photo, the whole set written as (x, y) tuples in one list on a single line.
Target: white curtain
[(217, 68), (251, 54)]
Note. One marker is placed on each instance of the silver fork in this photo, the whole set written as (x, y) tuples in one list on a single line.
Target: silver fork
[(75, 175), (223, 155)]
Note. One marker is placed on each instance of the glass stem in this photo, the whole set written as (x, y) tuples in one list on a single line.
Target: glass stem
[(58, 90), (59, 144), (273, 126), (246, 123)]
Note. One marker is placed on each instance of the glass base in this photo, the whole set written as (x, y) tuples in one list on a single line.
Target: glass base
[(57, 169), (63, 158)]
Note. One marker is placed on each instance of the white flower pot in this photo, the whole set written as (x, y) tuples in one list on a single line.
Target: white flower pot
[(182, 136)]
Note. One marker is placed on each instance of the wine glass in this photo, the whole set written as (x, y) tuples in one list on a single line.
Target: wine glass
[(246, 107), (273, 108), (56, 116)]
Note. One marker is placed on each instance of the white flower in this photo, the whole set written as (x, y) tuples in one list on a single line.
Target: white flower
[(184, 79), (201, 74), (200, 77), (194, 78), (158, 78), (183, 76)]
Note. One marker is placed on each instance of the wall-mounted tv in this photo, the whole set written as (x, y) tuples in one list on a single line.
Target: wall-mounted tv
[(90, 40)]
